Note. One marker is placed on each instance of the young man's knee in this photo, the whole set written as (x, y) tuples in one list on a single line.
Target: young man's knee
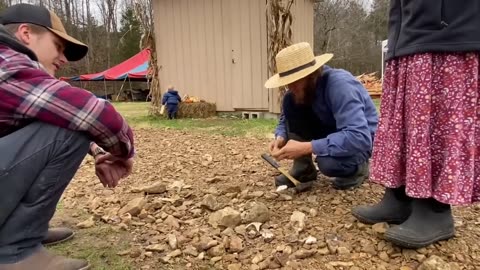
[(75, 139)]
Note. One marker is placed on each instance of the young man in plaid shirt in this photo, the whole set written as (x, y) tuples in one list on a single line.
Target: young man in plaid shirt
[(47, 127)]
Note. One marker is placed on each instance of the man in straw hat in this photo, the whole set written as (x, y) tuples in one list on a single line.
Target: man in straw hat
[(326, 112), (46, 129)]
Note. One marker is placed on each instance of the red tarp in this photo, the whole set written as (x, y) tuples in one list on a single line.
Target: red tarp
[(136, 67)]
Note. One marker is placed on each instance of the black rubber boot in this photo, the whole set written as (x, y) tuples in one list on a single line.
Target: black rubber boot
[(394, 208), (430, 222), (303, 170), (354, 181)]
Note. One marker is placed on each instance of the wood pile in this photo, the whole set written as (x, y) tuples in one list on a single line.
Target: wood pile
[(372, 84)]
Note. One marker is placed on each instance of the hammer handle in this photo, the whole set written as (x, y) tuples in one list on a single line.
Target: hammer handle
[(274, 164)]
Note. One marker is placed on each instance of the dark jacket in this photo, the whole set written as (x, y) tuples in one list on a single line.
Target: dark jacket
[(419, 26), (171, 97)]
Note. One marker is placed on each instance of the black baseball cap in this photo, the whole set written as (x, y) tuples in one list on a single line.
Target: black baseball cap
[(25, 13)]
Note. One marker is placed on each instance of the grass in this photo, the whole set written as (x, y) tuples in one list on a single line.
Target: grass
[(90, 244), (137, 115), (376, 101)]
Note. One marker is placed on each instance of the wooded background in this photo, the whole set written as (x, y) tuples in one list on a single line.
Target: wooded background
[(351, 29)]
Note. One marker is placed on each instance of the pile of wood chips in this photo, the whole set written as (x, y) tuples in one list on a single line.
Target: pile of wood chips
[(372, 84)]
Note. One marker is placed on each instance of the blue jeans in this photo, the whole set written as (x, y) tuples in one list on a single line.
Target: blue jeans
[(302, 121), (36, 165)]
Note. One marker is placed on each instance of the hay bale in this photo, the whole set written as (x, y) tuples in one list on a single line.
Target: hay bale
[(196, 110)]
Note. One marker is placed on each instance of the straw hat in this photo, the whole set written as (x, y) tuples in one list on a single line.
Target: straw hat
[(294, 63)]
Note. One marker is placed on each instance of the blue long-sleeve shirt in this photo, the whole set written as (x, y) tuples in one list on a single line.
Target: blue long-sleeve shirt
[(341, 101)]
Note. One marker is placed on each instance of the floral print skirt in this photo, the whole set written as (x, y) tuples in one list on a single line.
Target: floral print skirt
[(428, 137)]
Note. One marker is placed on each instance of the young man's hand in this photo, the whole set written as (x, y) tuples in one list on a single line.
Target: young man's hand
[(292, 150), (277, 144), (109, 173), (111, 169)]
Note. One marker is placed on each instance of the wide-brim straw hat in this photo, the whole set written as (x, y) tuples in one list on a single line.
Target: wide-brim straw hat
[(294, 63)]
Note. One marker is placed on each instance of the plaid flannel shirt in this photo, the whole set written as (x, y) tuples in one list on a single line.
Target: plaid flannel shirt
[(28, 93)]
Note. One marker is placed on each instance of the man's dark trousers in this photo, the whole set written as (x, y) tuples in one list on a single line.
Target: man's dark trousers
[(37, 162)]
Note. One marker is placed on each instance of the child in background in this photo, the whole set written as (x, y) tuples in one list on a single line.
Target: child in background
[(171, 99)]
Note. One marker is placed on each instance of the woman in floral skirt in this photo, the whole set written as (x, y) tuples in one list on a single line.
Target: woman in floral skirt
[(426, 150)]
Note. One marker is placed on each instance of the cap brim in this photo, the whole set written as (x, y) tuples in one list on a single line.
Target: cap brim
[(74, 49), (277, 81)]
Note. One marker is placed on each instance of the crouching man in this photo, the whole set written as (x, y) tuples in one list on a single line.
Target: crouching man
[(326, 112), (46, 129)]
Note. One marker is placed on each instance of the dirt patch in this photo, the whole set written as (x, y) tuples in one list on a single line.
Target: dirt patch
[(212, 181)]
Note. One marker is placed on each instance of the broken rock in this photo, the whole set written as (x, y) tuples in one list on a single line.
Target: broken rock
[(227, 217), (209, 202), (298, 220), (310, 240), (341, 264), (190, 250), (258, 258), (236, 244), (156, 248), (234, 266), (172, 241), (267, 235), (380, 228), (175, 253), (156, 188), (172, 222), (86, 224), (434, 263), (216, 251), (134, 207), (206, 243), (257, 213), (303, 253)]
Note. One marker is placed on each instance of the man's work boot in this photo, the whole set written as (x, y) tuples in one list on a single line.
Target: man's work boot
[(303, 170), (430, 222), (57, 236), (353, 181), (395, 208), (44, 260)]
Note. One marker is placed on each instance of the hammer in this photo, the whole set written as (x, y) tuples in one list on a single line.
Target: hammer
[(285, 172)]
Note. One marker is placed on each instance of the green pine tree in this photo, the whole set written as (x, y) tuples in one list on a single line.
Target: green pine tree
[(130, 34)]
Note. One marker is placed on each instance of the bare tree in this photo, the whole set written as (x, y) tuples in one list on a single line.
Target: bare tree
[(327, 16), (345, 28), (107, 9), (144, 13)]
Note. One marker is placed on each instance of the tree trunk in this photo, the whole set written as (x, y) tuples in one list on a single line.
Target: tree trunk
[(89, 32)]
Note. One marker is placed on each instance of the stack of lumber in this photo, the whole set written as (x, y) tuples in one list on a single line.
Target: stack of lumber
[(372, 84)]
